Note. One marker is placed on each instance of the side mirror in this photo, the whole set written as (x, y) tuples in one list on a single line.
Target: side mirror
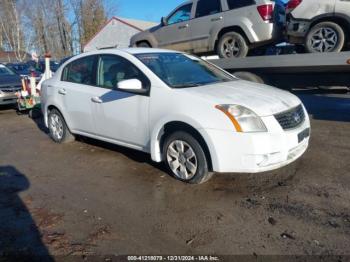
[(132, 85), (163, 21)]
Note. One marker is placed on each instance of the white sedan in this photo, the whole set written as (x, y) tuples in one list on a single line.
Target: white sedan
[(182, 110)]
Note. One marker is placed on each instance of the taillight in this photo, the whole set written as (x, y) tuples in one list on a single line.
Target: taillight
[(292, 4), (266, 12)]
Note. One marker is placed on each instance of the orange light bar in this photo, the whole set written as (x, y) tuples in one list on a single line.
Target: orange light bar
[(231, 117)]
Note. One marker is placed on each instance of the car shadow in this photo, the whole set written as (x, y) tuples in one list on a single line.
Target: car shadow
[(20, 238), (331, 105), (132, 154)]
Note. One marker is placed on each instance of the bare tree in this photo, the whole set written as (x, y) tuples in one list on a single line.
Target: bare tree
[(11, 27), (90, 16)]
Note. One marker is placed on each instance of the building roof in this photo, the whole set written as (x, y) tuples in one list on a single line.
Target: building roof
[(136, 24), (143, 25), (6, 57)]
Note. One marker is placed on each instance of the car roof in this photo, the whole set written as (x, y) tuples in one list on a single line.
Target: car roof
[(135, 51), (132, 51)]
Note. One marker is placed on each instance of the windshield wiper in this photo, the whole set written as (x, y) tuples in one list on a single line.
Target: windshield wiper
[(187, 85)]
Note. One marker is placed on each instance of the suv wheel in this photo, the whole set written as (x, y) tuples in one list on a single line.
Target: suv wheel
[(144, 44), (232, 45), (325, 37), (59, 131), (185, 158)]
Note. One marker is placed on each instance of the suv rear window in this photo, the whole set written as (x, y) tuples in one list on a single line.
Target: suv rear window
[(234, 4), (205, 7)]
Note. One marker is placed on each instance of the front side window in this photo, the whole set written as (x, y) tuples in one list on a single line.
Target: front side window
[(234, 4), (80, 71), (113, 69), (182, 14), (182, 71), (205, 8)]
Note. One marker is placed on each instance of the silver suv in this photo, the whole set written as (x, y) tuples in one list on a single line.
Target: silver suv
[(228, 27), (320, 25)]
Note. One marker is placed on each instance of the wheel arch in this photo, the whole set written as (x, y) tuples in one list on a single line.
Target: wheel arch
[(50, 108), (235, 28), (169, 128), (340, 19)]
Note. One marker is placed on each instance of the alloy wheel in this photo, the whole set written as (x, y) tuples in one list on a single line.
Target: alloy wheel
[(182, 160), (56, 126), (324, 40), (231, 47)]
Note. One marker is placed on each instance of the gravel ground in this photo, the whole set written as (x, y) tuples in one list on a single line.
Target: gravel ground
[(92, 198)]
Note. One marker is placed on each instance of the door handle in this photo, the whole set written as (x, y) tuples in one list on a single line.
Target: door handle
[(96, 100), (183, 26), (62, 92), (217, 19)]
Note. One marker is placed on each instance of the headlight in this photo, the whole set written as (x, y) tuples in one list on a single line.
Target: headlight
[(243, 118)]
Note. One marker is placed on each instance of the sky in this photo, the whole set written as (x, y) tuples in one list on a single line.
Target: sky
[(148, 10)]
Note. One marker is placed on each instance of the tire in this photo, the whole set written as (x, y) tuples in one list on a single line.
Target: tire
[(325, 37), (232, 45), (173, 151), (58, 129), (249, 77), (144, 45)]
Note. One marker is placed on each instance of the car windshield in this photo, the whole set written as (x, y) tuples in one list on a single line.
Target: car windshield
[(4, 71), (181, 70)]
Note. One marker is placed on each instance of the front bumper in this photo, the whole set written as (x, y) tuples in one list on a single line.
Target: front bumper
[(8, 98), (256, 152)]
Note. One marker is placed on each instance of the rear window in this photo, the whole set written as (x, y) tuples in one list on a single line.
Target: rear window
[(80, 71), (205, 7), (234, 4)]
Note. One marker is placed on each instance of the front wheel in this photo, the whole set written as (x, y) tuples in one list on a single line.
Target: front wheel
[(325, 37), (232, 45), (144, 45), (185, 158)]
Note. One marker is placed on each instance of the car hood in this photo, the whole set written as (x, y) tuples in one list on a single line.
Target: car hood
[(10, 81), (262, 99)]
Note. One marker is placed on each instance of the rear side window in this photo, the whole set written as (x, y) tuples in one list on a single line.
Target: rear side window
[(80, 71), (234, 4), (205, 7)]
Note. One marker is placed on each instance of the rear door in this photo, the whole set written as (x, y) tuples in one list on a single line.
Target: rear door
[(176, 34), (208, 20), (75, 91)]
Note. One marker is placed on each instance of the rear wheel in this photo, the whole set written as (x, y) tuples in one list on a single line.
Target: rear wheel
[(325, 37), (232, 45), (59, 131), (185, 158), (144, 45)]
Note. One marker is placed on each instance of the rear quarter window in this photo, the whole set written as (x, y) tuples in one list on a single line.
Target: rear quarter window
[(235, 4)]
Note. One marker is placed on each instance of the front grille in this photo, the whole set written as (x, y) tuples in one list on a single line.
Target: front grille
[(291, 118), (10, 90)]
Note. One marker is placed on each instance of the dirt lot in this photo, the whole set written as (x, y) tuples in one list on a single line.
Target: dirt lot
[(91, 198)]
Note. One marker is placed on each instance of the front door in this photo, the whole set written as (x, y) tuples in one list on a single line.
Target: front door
[(121, 116), (176, 33)]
